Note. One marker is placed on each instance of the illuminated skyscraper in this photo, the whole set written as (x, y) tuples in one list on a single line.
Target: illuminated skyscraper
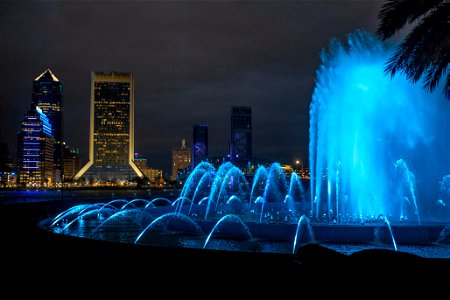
[(111, 138), (35, 147), (48, 94), (181, 159), (241, 134), (200, 144)]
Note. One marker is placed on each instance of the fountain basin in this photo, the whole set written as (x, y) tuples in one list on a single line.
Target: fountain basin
[(373, 232), (328, 233)]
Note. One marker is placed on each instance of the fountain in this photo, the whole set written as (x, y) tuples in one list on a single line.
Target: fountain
[(369, 135), (244, 232), (304, 232), (374, 141), (283, 219)]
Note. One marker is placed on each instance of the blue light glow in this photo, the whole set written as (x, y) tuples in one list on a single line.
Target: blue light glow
[(361, 123), (47, 127)]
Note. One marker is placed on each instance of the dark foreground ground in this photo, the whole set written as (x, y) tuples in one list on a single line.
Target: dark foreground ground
[(41, 263)]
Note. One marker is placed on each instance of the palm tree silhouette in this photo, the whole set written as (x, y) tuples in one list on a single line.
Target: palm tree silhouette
[(426, 49)]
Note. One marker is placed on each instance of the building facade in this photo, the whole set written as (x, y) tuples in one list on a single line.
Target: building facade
[(71, 157), (35, 150), (6, 166), (181, 159), (47, 94), (154, 176), (241, 135), (111, 138), (199, 144), (141, 162)]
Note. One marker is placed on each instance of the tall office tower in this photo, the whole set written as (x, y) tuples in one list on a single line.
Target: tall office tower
[(48, 95), (199, 144), (241, 134), (181, 159), (71, 158), (111, 138), (35, 147)]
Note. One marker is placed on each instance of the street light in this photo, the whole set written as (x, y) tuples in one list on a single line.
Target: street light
[(298, 163)]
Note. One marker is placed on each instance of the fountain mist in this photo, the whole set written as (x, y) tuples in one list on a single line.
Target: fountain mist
[(361, 123)]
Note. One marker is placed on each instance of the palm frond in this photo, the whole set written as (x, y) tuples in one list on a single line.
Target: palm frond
[(424, 50), (435, 72), (397, 13)]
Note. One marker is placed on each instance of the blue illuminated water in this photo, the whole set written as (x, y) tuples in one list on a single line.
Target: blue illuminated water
[(244, 232), (378, 165), (239, 230), (304, 233), (378, 145)]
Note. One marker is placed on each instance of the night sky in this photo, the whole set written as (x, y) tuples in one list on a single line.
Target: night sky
[(191, 61)]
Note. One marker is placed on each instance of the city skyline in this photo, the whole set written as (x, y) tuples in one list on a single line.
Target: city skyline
[(192, 62)]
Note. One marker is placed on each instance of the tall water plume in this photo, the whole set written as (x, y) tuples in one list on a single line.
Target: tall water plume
[(362, 122)]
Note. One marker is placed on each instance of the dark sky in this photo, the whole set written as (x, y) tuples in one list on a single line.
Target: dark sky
[(191, 61)]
